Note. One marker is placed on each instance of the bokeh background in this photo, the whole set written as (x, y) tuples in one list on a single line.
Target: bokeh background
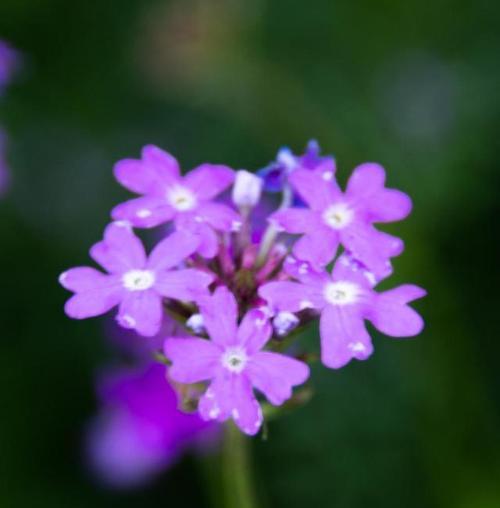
[(412, 85)]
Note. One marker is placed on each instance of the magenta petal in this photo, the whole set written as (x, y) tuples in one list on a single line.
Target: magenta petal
[(84, 278), (172, 250), (274, 375), (188, 285), (254, 331), (141, 311), (318, 247), (120, 250), (209, 180), (343, 336), (373, 248), (347, 268), (313, 189), (96, 295), (292, 296), (209, 242), (231, 395), (219, 216), (295, 220), (145, 212), (366, 189), (193, 359), (220, 314), (391, 315)]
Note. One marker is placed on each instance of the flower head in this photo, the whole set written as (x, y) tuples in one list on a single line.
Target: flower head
[(336, 218), (344, 299), (167, 196), (135, 282), (234, 363)]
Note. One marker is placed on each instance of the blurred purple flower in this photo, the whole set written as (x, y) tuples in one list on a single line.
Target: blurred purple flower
[(140, 431), (4, 169), (9, 61)]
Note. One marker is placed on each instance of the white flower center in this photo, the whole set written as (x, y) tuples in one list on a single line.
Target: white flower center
[(342, 293), (138, 280), (338, 216), (181, 198), (234, 359)]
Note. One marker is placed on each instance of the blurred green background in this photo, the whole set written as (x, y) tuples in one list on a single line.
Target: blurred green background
[(411, 85)]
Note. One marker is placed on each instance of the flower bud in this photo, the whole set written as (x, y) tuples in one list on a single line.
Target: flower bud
[(247, 189), (195, 323), (285, 322)]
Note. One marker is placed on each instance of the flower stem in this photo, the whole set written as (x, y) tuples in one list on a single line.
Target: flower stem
[(237, 482)]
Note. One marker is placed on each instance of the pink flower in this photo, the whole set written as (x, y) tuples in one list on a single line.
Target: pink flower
[(135, 282), (234, 363), (167, 196), (345, 299), (334, 217)]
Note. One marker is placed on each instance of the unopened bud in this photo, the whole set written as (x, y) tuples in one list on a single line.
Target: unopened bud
[(247, 189), (195, 323), (284, 323)]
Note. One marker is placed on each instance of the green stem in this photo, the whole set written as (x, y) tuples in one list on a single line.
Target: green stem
[(237, 482)]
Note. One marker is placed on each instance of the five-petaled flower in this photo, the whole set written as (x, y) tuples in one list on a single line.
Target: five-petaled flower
[(334, 217), (167, 196), (136, 283), (345, 298), (234, 363)]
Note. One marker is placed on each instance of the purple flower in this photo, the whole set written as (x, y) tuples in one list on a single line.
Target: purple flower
[(345, 299), (276, 174), (334, 217), (140, 431), (9, 60), (4, 169), (167, 196), (135, 282), (234, 363)]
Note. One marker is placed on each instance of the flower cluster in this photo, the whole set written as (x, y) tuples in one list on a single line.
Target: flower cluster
[(243, 287)]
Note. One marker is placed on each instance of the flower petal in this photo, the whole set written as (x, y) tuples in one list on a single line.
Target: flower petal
[(120, 250), (220, 314), (141, 311), (313, 189), (209, 180), (96, 294), (366, 189), (296, 220), (391, 315), (220, 217), (318, 247), (193, 359), (292, 296), (152, 174), (254, 331), (189, 284), (172, 250), (145, 212), (274, 375), (371, 247), (231, 395), (209, 242), (343, 336)]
